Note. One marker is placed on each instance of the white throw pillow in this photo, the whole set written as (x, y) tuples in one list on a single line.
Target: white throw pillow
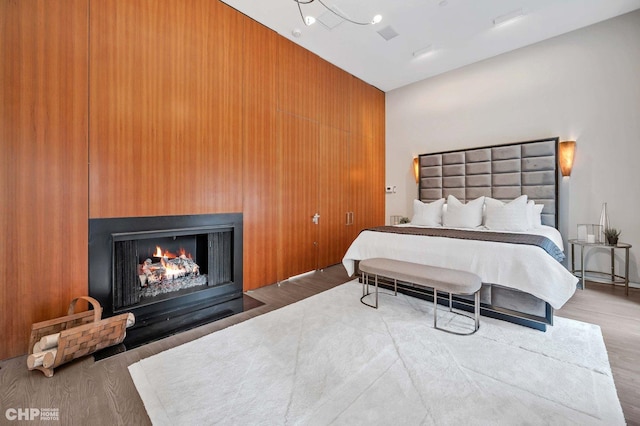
[(460, 215), (427, 214), (534, 211), (511, 216)]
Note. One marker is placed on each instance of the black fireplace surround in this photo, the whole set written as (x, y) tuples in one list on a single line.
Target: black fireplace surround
[(118, 248)]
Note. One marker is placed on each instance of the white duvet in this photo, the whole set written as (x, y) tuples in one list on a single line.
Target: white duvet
[(523, 267)]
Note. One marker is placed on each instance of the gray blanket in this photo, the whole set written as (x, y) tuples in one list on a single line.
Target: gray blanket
[(499, 237)]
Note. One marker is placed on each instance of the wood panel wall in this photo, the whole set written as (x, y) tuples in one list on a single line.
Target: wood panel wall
[(298, 169), (335, 196), (43, 172), (260, 190), (166, 108), (117, 108)]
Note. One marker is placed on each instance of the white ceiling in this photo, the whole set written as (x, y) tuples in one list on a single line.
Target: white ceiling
[(461, 32)]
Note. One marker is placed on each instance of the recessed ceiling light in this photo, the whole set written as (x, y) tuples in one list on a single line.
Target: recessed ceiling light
[(509, 17), (376, 19), (309, 20), (425, 51)]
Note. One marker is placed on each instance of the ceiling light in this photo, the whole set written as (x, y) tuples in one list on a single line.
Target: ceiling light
[(308, 20), (509, 17), (425, 51)]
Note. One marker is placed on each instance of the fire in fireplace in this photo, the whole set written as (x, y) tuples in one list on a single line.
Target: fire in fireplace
[(165, 272)]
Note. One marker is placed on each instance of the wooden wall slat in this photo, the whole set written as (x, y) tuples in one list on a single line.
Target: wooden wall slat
[(43, 178), (378, 110), (334, 97), (364, 173), (298, 194), (260, 211), (361, 110), (166, 97), (334, 191), (299, 83), (367, 156)]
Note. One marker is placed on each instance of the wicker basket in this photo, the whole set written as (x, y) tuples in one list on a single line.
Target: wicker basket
[(80, 334)]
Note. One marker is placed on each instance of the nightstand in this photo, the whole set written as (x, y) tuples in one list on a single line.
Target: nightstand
[(600, 276)]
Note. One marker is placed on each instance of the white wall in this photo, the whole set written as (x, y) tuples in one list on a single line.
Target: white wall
[(583, 86)]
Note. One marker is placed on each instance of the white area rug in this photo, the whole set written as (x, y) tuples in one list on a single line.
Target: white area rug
[(331, 360)]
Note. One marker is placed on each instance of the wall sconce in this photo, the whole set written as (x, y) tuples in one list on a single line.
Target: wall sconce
[(566, 151), (416, 169)]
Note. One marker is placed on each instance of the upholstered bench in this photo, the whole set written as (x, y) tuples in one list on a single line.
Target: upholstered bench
[(450, 281)]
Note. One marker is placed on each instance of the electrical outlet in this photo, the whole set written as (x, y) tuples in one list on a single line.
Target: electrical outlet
[(389, 189)]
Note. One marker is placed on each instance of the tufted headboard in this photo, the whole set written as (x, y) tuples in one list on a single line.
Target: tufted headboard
[(503, 172)]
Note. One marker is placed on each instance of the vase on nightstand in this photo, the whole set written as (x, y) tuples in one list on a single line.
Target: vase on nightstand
[(604, 222)]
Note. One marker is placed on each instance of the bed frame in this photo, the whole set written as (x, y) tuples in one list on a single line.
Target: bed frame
[(503, 172)]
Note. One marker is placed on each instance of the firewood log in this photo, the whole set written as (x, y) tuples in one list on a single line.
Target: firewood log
[(131, 320), (37, 359), (49, 358), (37, 347), (49, 341)]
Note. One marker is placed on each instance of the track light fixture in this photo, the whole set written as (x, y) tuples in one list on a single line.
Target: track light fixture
[(309, 20)]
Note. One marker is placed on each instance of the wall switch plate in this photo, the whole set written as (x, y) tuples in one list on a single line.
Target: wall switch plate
[(390, 189)]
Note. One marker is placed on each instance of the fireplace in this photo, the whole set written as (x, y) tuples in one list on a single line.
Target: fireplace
[(172, 272)]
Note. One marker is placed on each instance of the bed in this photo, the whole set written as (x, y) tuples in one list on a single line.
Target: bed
[(521, 283)]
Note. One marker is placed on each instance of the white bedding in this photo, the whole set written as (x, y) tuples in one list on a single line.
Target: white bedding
[(523, 267)]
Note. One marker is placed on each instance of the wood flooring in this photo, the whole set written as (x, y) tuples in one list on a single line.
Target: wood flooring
[(102, 393)]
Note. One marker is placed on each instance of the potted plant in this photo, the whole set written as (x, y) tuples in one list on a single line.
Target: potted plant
[(612, 234)]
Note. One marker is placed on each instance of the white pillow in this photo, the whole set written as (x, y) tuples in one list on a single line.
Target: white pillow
[(427, 214), (534, 211), (460, 215), (512, 216)]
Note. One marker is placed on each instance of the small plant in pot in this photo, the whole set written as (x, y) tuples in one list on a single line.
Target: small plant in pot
[(612, 234)]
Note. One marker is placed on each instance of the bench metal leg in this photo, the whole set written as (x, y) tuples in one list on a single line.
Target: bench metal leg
[(376, 291), (365, 293), (435, 308), (476, 313)]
